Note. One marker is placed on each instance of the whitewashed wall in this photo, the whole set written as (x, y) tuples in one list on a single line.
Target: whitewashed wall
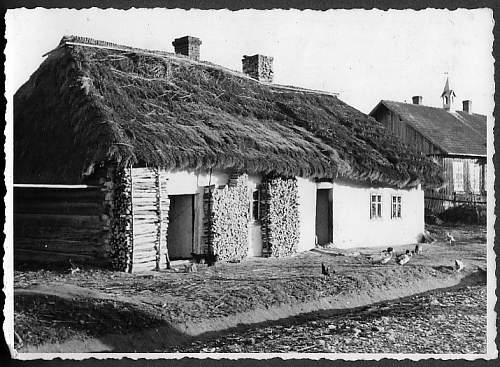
[(307, 213), (352, 226), (185, 183)]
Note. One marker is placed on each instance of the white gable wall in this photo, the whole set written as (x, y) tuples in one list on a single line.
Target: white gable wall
[(352, 226)]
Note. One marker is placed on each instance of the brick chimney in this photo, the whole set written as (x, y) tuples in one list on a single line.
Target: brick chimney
[(188, 46), (259, 67), (417, 99), (467, 104)]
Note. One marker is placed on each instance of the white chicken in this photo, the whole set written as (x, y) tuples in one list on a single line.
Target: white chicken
[(449, 238), (404, 258), (459, 265), (386, 256), (73, 267)]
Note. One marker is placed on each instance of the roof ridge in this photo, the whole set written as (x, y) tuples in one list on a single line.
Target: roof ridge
[(91, 42), (410, 113), (433, 107)]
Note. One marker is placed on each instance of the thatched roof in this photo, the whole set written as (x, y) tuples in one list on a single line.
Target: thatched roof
[(88, 104)]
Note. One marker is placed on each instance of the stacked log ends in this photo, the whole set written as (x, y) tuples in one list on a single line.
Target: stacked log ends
[(208, 204), (280, 219), (121, 243), (229, 220)]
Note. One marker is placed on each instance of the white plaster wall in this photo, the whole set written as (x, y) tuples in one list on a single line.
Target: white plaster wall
[(186, 182), (352, 226), (307, 213)]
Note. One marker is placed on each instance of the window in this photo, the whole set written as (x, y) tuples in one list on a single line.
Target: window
[(458, 176), (375, 206), (256, 205), (474, 174), (396, 207)]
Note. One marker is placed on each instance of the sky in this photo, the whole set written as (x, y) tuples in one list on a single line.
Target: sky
[(364, 55)]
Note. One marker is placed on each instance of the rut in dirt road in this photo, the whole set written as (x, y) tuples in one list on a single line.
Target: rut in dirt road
[(443, 321)]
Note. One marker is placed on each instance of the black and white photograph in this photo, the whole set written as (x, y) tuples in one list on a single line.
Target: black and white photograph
[(250, 184)]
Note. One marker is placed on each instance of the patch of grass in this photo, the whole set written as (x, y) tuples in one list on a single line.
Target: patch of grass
[(41, 319)]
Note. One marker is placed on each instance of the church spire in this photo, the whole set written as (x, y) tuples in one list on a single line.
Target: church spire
[(448, 95)]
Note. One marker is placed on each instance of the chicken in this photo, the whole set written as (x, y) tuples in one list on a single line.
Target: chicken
[(73, 267), (190, 268), (459, 265), (449, 238), (403, 259), (426, 237), (418, 249), (325, 270), (385, 258), (388, 251)]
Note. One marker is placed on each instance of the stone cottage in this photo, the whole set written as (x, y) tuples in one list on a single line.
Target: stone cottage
[(134, 158)]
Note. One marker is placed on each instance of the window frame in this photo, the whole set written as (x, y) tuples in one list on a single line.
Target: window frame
[(457, 186), (255, 201), (474, 171), (396, 206), (378, 205)]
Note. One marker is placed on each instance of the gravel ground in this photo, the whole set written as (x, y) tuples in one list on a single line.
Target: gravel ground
[(450, 321)]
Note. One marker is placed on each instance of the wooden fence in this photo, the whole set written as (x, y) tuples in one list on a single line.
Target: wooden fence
[(436, 203), (53, 224)]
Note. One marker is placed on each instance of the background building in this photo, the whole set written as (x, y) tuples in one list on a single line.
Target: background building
[(455, 139)]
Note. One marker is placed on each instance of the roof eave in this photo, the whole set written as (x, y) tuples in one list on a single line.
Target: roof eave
[(377, 107)]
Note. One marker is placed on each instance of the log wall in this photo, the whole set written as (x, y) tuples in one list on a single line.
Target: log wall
[(150, 206), (406, 133), (56, 224)]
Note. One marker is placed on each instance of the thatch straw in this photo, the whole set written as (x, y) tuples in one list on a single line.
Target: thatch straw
[(88, 105)]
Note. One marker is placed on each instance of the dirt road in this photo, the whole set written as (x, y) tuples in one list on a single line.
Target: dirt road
[(445, 321), (98, 310)]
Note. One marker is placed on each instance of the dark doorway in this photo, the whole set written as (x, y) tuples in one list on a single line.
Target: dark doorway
[(324, 216), (180, 227)]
